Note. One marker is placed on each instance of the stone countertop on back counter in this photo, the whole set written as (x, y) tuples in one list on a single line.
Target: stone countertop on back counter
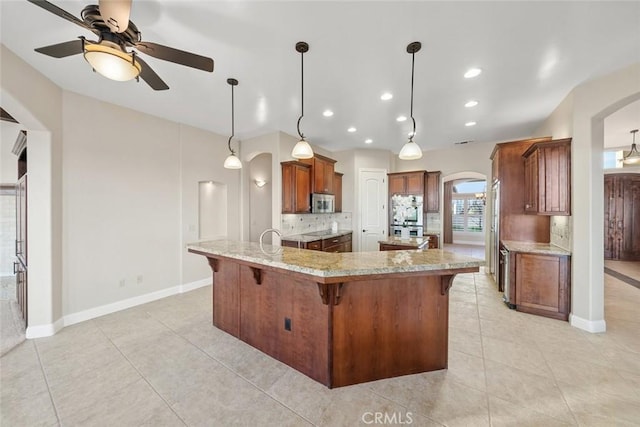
[(533, 247), (325, 264), (410, 242), (315, 235)]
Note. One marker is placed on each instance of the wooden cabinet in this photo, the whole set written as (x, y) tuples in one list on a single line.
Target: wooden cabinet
[(296, 194), (411, 183), (432, 191), (322, 173), (542, 284), (337, 244), (341, 243), (434, 242), (622, 217), (337, 190), (509, 170), (547, 178)]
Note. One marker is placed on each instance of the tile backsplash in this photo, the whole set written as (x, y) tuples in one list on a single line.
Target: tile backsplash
[(305, 223), (561, 231)]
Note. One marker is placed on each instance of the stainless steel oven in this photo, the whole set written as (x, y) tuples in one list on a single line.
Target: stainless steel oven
[(414, 231)]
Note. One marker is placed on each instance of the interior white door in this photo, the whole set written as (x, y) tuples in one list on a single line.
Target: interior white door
[(373, 208)]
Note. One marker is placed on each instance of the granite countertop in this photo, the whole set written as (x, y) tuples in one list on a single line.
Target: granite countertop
[(410, 242), (532, 247), (315, 235), (326, 264)]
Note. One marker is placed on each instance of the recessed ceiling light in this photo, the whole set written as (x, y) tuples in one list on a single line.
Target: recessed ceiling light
[(472, 72), (470, 124), (386, 96), (351, 129), (368, 141), (471, 103), (401, 118), (327, 113)]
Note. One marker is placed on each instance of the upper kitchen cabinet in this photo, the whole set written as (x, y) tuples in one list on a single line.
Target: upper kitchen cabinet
[(508, 173), (296, 187), (322, 173), (409, 183), (337, 190), (432, 191), (547, 178)]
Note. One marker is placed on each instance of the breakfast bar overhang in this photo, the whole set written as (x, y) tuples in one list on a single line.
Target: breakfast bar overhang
[(339, 318)]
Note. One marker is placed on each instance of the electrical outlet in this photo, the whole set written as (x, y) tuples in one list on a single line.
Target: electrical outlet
[(139, 279), (122, 283)]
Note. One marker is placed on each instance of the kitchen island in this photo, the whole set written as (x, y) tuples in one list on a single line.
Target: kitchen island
[(339, 318)]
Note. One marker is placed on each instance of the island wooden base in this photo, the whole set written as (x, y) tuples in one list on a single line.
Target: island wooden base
[(338, 331)]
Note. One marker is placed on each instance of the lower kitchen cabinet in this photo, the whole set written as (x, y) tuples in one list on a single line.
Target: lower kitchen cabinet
[(341, 243), (542, 284)]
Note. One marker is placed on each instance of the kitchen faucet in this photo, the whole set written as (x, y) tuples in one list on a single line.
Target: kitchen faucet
[(270, 230)]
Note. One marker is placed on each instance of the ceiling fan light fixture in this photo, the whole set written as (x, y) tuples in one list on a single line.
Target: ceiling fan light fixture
[(633, 156), (411, 150), (302, 150), (111, 61), (232, 162)]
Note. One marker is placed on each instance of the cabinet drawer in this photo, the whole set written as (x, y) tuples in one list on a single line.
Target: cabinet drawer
[(316, 245)]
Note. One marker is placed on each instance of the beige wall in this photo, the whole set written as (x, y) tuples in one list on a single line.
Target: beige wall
[(36, 103), (581, 116)]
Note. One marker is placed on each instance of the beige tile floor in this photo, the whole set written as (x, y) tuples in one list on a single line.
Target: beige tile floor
[(163, 364)]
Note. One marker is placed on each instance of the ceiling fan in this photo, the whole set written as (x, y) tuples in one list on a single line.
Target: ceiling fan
[(109, 20)]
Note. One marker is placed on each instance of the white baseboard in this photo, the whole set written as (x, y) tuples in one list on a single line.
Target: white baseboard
[(40, 331), (593, 326)]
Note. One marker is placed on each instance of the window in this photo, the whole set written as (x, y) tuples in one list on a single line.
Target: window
[(468, 213)]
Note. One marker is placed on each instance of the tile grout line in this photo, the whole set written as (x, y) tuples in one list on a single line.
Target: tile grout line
[(46, 381), (228, 368), (484, 366), (140, 373)]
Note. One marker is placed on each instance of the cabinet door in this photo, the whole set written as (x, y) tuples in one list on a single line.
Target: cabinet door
[(337, 190), (554, 179), (415, 183), (397, 184), (531, 183), (432, 192), (630, 226), (302, 189), (542, 285), (328, 172)]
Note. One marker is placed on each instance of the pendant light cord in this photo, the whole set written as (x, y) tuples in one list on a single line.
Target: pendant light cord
[(232, 122), (413, 59), (302, 91)]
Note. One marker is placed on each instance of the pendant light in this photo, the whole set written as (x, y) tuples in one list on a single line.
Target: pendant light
[(302, 150), (411, 150), (232, 162), (633, 157)]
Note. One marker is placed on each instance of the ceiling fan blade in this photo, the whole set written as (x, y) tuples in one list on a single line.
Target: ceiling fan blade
[(175, 55), (148, 75), (115, 13), (62, 14), (62, 50)]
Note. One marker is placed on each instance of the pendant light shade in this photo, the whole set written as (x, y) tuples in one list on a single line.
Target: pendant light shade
[(232, 162), (411, 150), (633, 157), (302, 150)]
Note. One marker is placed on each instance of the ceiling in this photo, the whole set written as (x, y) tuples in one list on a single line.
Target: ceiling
[(532, 54)]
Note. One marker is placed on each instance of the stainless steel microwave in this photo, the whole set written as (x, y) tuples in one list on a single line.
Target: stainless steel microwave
[(323, 203)]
